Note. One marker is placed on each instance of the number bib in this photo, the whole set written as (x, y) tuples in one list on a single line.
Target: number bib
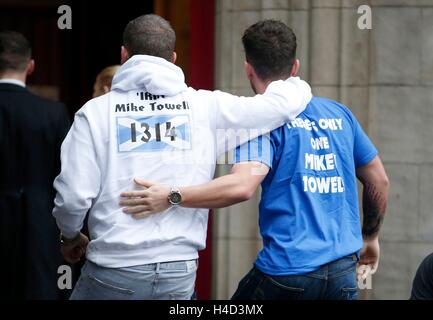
[(153, 133)]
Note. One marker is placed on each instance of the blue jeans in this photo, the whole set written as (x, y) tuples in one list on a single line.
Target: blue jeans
[(333, 281), (158, 281)]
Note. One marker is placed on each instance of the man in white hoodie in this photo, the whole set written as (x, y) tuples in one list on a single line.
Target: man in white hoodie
[(152, 126)]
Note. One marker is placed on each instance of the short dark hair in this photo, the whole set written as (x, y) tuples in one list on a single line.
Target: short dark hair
[(15, 51), (270, 47), (151, 35)]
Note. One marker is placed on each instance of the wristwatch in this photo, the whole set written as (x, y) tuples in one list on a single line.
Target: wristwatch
[(174, 197), (65, 241)]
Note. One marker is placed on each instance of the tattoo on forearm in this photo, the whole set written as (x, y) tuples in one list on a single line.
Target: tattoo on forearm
[(374, 204)]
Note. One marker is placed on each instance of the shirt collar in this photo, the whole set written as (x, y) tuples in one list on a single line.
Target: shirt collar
[(13, 81)]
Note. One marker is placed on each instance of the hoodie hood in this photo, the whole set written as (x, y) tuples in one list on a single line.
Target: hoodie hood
[(152, 74)]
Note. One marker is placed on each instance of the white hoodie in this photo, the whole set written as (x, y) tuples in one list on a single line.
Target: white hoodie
[(152, 126)]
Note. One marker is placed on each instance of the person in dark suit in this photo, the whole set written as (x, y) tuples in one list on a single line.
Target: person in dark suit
[(31, 133), (422, 286)]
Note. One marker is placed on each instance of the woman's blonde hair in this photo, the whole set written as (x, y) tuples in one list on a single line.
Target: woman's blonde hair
[(104, 79)]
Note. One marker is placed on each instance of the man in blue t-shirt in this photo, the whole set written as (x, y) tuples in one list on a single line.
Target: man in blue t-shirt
[(309, 214)]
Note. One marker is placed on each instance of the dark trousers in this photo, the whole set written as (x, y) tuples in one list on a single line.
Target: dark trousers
[(333, 281)]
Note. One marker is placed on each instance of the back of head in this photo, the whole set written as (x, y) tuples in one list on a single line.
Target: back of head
[(15, 52), (270, 47), (150, 35)]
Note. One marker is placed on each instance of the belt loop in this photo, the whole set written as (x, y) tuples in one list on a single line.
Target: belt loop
[(157, 267), (190, 265)]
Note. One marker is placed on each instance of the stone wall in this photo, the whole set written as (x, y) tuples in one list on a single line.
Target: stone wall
[(385, 75)]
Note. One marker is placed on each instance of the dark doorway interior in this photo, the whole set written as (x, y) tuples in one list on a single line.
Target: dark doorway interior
[(94, 42), (69, 60)]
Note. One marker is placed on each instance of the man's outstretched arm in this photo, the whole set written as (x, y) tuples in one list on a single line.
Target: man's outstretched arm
[(281, 102), (238, 186)]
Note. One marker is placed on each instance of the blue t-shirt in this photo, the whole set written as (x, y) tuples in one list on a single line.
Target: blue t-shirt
[(309, 213)]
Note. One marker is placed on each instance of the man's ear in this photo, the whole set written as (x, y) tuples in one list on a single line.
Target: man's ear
[(174, 57), (30, 67), (295, 68), (124, 55), (249, 71)]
